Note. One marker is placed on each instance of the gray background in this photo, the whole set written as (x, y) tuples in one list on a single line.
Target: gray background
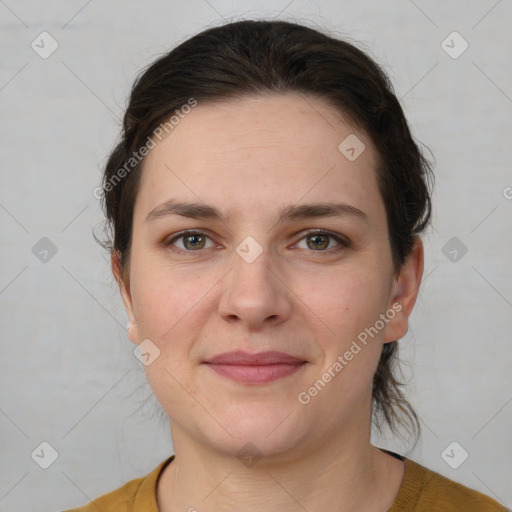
[(68, 375)]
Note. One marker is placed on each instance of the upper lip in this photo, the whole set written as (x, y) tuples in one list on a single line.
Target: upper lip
[(247, 359)]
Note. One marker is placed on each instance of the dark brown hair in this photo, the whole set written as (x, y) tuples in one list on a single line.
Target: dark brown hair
[(254, 57)]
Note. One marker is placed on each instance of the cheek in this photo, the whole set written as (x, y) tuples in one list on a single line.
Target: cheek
[(345, 300), (167, 300), (345, 307), (171, 306)]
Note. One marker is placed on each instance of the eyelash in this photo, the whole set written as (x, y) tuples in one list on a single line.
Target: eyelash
[(341, 241)]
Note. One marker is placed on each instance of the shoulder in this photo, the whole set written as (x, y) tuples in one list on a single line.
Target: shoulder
[(428, 490), (118, 500), (137, 494)]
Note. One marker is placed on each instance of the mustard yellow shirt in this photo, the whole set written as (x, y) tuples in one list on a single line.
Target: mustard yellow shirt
[(422, 490)]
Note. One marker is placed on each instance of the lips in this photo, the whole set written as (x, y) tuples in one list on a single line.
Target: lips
[(257, 368), (261, 358)]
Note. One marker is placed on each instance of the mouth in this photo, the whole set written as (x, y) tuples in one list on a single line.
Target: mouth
[(257, 368)]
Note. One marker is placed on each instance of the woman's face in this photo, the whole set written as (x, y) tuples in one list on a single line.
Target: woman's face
[(260, 276)]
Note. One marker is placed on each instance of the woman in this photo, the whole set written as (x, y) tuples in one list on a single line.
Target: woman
[(266, 203)]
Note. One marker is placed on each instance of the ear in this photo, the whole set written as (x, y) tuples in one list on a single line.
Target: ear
[(405, 291), (124, 288)]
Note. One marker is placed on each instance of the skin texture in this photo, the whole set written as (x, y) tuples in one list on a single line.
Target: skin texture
[(251, 157)]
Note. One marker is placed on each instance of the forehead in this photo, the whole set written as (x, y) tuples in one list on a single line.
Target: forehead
[(258, 151)]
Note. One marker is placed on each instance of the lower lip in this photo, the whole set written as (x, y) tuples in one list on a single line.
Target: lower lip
[(255, 374)]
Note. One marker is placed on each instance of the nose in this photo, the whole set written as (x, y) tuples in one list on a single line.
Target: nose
[(255, 294)]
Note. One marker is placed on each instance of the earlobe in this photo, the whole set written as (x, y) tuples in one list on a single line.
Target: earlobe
[(132, 332)]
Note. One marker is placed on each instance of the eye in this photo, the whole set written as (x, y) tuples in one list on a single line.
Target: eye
[(319, 241), (192, 241)]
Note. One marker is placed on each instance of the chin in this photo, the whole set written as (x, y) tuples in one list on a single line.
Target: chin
[(261, 431)]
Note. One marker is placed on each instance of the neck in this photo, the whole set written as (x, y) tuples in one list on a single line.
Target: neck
[(341, 474)]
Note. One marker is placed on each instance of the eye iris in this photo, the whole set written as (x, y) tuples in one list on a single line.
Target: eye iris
[(195, 239), (318, 244)]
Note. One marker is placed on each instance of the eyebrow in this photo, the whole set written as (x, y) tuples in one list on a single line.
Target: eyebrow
[(292, 212)]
